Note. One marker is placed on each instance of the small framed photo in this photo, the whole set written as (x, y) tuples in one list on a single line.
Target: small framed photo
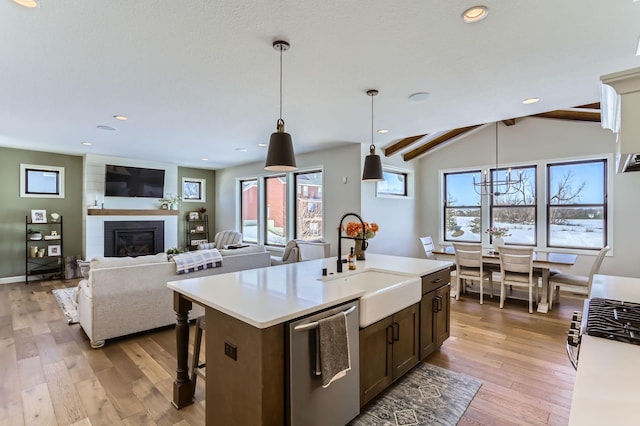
[(199, 228), (53, 250), (38, 216), (194, 215)]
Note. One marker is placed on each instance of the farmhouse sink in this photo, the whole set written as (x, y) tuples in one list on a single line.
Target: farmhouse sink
[(385, 292)]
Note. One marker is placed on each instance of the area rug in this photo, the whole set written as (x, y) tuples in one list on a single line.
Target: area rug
[(427, 395), (66, 298)]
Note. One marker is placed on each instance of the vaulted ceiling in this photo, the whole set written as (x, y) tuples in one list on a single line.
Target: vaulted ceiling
[(201, 79), (427, 142)]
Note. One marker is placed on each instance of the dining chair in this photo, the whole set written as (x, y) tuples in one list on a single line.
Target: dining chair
[(469, 266), (577, 281), (427, 244), (516, 270)]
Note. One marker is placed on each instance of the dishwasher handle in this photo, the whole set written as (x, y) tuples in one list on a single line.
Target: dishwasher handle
[(314, 324)]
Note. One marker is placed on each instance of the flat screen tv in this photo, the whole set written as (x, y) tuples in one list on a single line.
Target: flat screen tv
[(125, 181)]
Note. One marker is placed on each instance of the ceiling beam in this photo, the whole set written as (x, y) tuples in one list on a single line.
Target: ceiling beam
[(401, 144), (571, 115), (437, 141), (595, 105)]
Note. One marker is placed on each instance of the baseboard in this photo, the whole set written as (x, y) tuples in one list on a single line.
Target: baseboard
[(11, 280)]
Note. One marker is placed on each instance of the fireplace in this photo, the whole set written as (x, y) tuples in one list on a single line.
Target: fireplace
[(133, 238)]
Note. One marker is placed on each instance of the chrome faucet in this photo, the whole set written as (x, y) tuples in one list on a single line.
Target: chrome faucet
[(341, 237)]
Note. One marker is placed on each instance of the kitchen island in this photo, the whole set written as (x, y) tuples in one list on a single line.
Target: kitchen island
[(606, 389), (246, 339)]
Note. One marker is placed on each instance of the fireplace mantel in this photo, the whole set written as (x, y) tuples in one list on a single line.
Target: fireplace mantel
[(131, 212)]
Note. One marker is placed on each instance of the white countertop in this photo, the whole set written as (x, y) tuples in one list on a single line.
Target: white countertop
[(268, 296), (607, 387)]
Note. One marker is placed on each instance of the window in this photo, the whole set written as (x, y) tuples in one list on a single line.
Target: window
[(394, 184), (193, 190), (462, 211), (308, 205), (41, 181), (517, 210), (276, 210), (577, 204), (249, 210)]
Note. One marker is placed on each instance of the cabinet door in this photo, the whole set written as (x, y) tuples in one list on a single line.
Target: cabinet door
[(406, 346), (428, 305), (376, 372), (442, 317)]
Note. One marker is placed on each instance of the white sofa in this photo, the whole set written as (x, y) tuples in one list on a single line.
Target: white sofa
[(128, 295)]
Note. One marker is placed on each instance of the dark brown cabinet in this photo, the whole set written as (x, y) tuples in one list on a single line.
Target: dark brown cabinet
[(388, 349), (434, 311)]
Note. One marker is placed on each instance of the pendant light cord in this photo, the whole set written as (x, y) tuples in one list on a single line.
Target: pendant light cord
[(281, 48), (372, 147)]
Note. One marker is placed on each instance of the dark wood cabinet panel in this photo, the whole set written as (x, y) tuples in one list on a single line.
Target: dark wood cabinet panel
[(388, 349), (376, 370), (434, 311)]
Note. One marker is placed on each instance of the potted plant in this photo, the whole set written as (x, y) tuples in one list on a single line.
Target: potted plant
[(202, 211), (173, 201), (173, 251)]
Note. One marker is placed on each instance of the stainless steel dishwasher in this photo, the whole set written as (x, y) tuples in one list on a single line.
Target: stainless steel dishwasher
[(308, 403)]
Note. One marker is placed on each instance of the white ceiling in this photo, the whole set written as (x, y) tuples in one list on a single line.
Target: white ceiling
[(200, 78)]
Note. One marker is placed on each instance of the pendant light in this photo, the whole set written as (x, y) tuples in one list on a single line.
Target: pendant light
[(280, 157), (490, 184), (372, 171)]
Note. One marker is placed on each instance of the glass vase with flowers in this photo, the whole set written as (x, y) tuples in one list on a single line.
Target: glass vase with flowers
[(354, 230), (497, 234)]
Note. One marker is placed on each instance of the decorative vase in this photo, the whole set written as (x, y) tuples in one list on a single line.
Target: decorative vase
[(174, 206), (357, 249), (33, 251), (497, 243)]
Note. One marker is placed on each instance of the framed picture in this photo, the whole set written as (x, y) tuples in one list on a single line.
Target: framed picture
[(38, 216), (41, 181), (199, 228), (193, 190), (53, 250), (194, 215)]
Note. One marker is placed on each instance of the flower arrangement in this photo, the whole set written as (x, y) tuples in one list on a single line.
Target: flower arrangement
[(171, 199), (354, 230), (498, 232)]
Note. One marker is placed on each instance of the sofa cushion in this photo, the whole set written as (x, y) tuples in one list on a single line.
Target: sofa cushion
[(224, 238), (113, 262)]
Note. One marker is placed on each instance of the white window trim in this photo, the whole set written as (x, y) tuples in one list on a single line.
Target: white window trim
[(23, 183), (203, 190), (541, 195)]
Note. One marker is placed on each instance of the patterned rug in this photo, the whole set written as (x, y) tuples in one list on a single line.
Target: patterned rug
[(427, 395), (66, 298)]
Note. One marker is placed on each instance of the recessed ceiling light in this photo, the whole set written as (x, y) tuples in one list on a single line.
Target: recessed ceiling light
[(262, 145), (475, 14), (638, 48), (242, 149), (420, 96), (204, 159), (121, 117), (383, 131), (109, 128), (530, 101), (31, 4), (87, 143)]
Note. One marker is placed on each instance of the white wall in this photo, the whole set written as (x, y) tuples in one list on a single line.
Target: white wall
[(536, 139), (339, 197), (94, 175), (399, 232)]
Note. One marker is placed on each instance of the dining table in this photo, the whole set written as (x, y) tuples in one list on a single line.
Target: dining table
[(543, 261)]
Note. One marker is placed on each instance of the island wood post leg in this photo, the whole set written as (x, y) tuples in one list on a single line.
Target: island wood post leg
[(182, 386)]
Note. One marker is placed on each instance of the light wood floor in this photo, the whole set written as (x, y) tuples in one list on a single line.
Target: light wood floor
[(49, 375)]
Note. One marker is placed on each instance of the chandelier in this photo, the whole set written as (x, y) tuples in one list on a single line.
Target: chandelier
[(491, 184)]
